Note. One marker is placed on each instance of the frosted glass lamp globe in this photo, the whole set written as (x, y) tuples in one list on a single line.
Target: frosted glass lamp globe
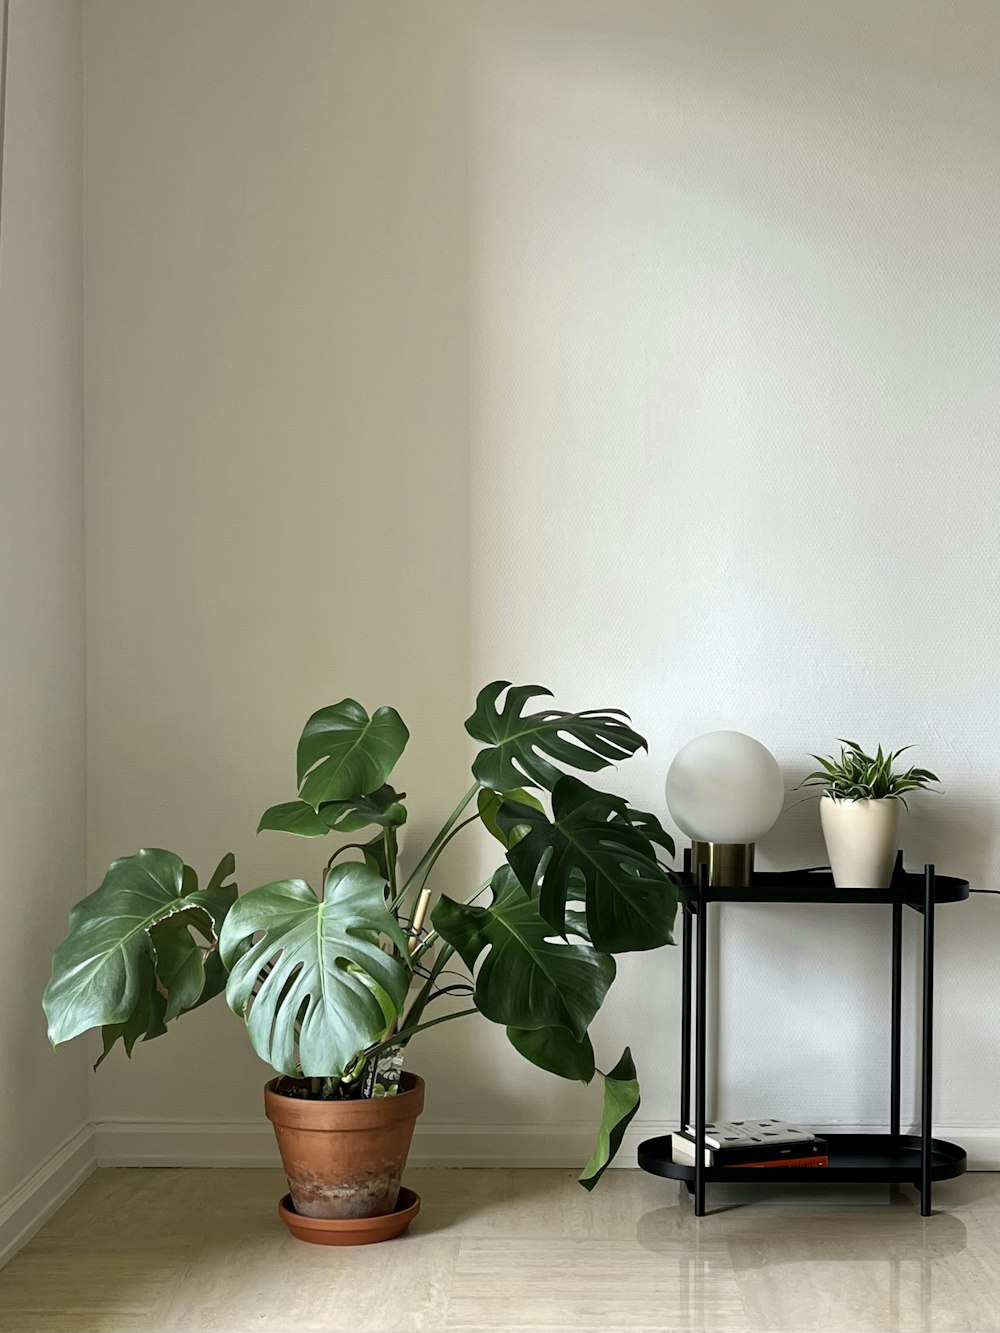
[(725, 788)]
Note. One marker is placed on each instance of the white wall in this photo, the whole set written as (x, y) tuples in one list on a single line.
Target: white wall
[(41, 579), (644, 350)]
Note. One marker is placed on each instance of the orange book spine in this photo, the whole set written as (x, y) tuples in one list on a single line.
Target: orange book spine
[(783, 1161)]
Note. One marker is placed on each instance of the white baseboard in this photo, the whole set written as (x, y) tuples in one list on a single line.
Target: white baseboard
[(32, 1203), (251, 1143)]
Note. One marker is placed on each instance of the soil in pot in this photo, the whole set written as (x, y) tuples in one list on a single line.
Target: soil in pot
[(344, 1159)]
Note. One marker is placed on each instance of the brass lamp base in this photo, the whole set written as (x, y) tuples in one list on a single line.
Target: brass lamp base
[(730, 864)]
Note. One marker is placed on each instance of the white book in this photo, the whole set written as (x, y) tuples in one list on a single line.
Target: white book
[(746, 1133)]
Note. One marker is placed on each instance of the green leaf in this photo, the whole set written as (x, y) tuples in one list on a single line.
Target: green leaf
[(621, 1101), (103, 972), (526, 979), (489, 803), (180, 964), (294, 817), (375, 853), (343, 753), (382, 807), (649, 826), (556, 1051), (591, 849), (378, 807), (525, 748), (146, 1021), (310, 987)]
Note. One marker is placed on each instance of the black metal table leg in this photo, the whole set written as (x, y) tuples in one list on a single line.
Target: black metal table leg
[(897, 1005), (927, 1046), (701, 971), (686, 928)]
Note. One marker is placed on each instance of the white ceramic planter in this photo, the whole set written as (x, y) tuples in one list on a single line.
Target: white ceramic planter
[(862, 838)]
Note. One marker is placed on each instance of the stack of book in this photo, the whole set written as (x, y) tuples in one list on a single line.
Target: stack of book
[(750, 1143)]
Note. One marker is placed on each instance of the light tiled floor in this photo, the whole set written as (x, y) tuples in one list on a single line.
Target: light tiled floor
[(186, 1250)]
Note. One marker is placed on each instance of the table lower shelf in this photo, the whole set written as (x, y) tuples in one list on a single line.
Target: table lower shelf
[(853, 1157)]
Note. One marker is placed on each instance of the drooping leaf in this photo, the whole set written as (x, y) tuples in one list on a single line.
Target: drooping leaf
[(525, 749), (103, 972), (489, 803), (381, 807), (555, 1050), (591, 849), (183, 955), (526, 979), (621, 1101), (146, 1021), (343, 753), (318, 970), (180, 965)]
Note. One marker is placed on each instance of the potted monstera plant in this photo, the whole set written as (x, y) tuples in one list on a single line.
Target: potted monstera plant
[(334, 985)]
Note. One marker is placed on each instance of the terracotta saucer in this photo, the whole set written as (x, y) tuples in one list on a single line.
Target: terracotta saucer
[(351, 1230)]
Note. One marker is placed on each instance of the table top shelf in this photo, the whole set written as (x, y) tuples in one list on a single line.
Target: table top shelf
[(817, 886)]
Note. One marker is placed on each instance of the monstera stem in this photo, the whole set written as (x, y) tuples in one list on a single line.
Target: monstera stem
[(390, 860), (408, 1032), (423, 995), (430, 856)]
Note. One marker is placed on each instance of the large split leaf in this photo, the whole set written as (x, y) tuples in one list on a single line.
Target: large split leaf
[(525, 749), (343, 753), (130, 961), (382, 807), (315, 988), (621, 1101), (526, 979), (589, 849)]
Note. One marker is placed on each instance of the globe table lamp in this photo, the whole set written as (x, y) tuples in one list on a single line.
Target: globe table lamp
[(725, 790)]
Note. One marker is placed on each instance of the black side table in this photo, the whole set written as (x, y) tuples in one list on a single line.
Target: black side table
[(917, 1159)]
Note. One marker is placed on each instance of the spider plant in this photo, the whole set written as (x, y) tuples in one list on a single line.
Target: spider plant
[(857, 776)]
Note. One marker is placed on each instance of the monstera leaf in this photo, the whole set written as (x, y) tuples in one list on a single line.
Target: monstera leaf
[(591, 850), (621, 1101), (523, 749), (526, 979), (343, 753), (649, 826), (556, 1051), (130, 962), (489, 802), (316, 988), (381, 807)]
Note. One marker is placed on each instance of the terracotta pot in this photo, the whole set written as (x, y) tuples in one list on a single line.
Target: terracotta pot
[(344, 1159), (862, 838)]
